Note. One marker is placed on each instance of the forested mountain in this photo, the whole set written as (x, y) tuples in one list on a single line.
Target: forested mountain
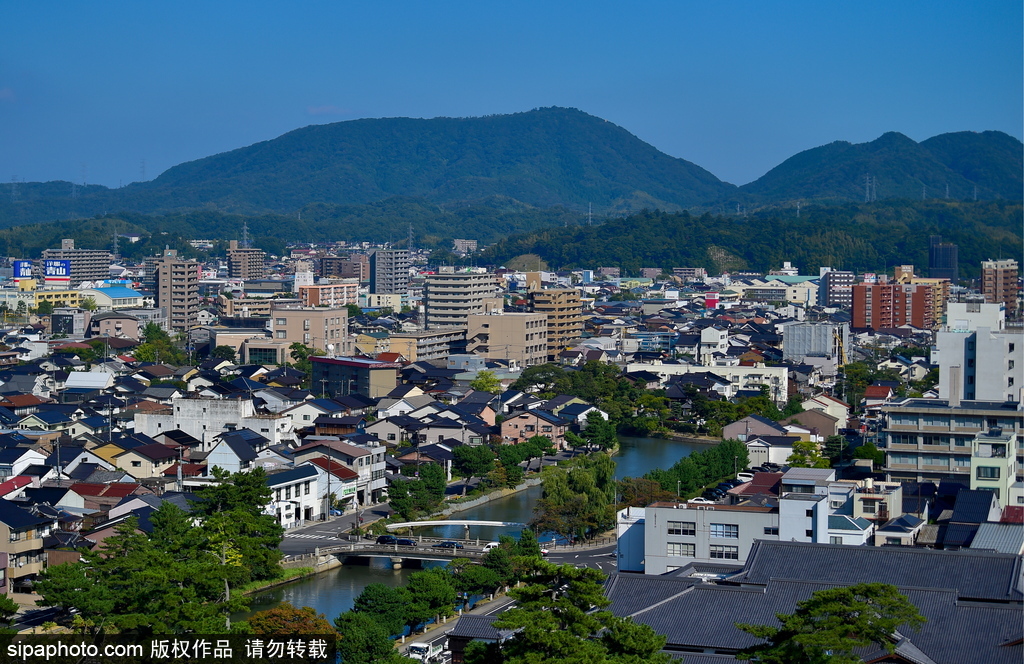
[(860, 237), (987, 165)]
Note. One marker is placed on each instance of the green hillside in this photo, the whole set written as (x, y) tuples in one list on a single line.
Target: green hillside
[(860, 237), (899, 167)]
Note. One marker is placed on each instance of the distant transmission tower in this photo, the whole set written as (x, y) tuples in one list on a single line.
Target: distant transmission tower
[(245, 234), (14, 188), (590, 214), (409, 247), (142, 171), (924, 192), (116, 248), (975, 193), (798, 209), (947, 190)]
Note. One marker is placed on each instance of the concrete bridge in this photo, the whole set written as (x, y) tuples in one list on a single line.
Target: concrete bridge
[(454, 522), (397, 554)]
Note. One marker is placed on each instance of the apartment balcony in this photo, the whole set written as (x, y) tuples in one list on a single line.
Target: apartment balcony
[(23, 545), (18, 571)]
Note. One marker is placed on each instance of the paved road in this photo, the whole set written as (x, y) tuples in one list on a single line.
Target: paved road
[(602, 558)]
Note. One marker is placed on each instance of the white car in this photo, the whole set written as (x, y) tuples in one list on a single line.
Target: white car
[(490, 545), (700, 500), (745, 477)]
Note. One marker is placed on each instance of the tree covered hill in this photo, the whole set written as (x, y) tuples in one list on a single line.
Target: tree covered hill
[(988, 164), (860, 237)]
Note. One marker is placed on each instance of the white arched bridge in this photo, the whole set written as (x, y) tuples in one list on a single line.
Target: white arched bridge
[(450, 522)]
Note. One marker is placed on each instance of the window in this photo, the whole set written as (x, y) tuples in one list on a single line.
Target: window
[(305, 418), (988, 472), (809, 533), (391, 436), (529, 427), (893, 540), (835, 540), (868, 507), (725, 530), (287, 493), (281, 334), (680, 549), (809, 513), (280, 321), (682, 528), (725, 552), (136, 464), (771, 530), (305, 488)]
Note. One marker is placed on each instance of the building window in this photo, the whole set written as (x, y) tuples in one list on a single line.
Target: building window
[(682, 528), (809, 533), (725, 552), (280, 321), (771, 530), (868, 507), (136, 464), (835, 540), (391, 436), (893, 540), (287, 493), (725, 530), (305, 488), (680, 549), (988, 472), (809, 513)]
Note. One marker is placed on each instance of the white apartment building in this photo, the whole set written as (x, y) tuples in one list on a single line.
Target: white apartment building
[(205, 418)]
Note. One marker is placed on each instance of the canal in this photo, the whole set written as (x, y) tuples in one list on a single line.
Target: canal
[(333, 592)]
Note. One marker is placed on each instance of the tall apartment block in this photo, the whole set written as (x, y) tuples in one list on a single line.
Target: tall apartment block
[(999, 283), (887, 305), (176, 285), (389, 271), (316, 327), (943, 261), (564, 310), (245, 263), (451, 298), (521, 338), (940, 288), (86, 264), (835, 288)]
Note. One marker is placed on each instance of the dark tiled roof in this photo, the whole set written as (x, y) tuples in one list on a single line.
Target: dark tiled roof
[(973, 506)]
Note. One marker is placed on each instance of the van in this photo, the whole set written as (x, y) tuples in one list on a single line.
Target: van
[(490, 545)]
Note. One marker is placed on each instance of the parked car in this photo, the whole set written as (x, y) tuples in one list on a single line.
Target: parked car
[(490, 545), (449, 545), (734, 482), (714, 494), (387, 539), (405, 541), (744, 477), (701, 501), (337, 513)]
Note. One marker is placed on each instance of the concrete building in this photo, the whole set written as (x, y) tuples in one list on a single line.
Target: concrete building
[(176, 284), (114, 324), (203, 419), (389, 271), (521, 338), (450, 298), (341, 376), (86, 264), (835, 288), (982, 365), (431, 345), (887, 305), (337, 294), (803, 340), (245, 262), (943, 259), (932, 439), (356, 266), (315, 327), (993, 462), (565, 316), (999, 283)]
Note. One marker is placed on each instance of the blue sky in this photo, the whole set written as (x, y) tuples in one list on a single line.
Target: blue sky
[(93, 90)]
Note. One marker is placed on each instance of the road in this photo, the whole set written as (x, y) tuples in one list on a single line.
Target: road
[(602, 558)]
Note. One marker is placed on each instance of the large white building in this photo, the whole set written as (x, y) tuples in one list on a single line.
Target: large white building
[(205, 418)]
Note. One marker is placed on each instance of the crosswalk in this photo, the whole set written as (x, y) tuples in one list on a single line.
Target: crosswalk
[(308, 536)]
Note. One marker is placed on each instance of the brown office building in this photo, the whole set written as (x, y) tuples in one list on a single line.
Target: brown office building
[(244, 263), (999, 283), (565, 316), (522, 338), (176, 284)]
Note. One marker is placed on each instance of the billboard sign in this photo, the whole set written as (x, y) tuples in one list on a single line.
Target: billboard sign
[(22, 270), (57, 271), (711, 300)]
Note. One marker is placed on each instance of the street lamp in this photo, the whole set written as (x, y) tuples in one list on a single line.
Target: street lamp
[(734, 468), (677, 488)]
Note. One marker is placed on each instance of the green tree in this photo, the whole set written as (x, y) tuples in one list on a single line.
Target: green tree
[(486, 381), (223, 353), (87, 303), (807, 455), (45, 308), (431, 595), (363, 640), (8, 609), (473, 461), (559, 616), (831, 624), (353, 310), (835, 449), (385, 604), (301, 353), (869, 451)]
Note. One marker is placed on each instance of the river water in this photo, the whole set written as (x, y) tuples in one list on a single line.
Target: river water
[(333, 592)]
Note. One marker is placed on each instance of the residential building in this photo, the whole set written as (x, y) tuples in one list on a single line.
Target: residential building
[(464, 246), (341, 376), (85, 264), (325, 329), (429, 345), (337, 294), (114, 324), (176, 284), (245, 262), (520, 427), (981, 365), (367, 461), (204, 419), (389, 271), (565, 316), (993, 462), (932, 439), (803, 340), (835, 288), (740, 377), (999, 283), (884, 304), (296, 497), (450, 298), (519, 338), (21, 546), (356, 266)]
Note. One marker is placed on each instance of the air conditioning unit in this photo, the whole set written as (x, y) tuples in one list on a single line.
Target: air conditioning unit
[(21, 563)]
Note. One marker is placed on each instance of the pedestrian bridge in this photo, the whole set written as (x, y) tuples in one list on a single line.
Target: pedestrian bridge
[(452, 522), (397, 554)]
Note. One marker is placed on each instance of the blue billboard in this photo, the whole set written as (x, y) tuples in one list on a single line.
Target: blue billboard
[(57, 270), (22, 270)]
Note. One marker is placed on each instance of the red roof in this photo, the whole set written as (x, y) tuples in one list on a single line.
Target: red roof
[(334, 468), (1013, 514), (72, 344), (187, 470), (114, 489), (766, 483), (22, 400), (389, 357), (14, 484), (877, 392)]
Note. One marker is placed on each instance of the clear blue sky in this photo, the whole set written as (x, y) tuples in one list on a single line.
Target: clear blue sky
[(96, 88)]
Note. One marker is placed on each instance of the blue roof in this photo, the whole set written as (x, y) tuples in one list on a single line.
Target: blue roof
[(119, 292)]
